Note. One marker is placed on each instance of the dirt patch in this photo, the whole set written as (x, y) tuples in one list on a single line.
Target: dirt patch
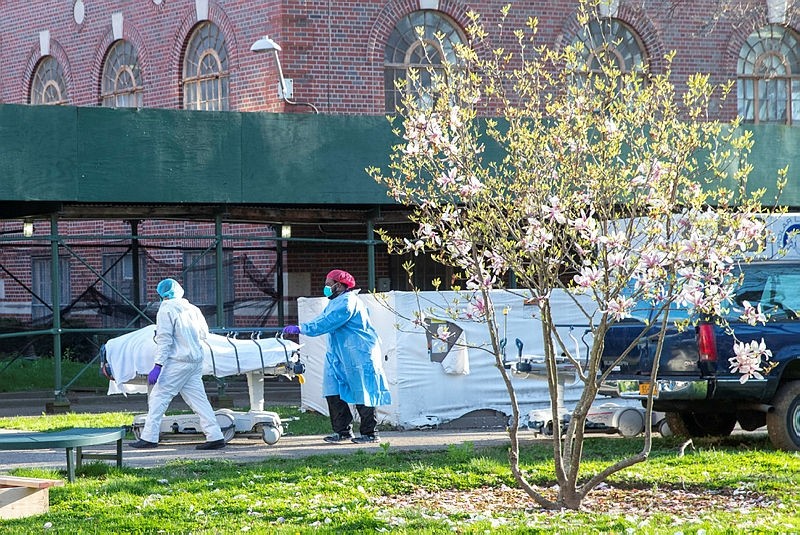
[(638, 503)]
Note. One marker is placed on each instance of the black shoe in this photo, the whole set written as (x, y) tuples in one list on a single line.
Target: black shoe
[(143, 444), (367, 439), (213, 445), (336, 438)]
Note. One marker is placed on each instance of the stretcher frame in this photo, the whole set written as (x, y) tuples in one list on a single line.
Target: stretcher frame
[(256, 421)]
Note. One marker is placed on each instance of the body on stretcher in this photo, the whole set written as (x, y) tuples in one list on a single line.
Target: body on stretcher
[(127, 359)]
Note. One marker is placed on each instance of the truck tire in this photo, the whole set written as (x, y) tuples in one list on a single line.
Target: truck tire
[(706, 424), (783, 424)]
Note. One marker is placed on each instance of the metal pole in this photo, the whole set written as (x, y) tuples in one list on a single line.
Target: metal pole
[(371, 255), (137, 282), (55, 295), (279, 275), (219, 261)]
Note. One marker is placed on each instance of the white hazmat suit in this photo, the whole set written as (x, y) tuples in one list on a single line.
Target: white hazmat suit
[(180, 330)]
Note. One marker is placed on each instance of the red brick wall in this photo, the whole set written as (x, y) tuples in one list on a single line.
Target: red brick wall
[(332, 49)]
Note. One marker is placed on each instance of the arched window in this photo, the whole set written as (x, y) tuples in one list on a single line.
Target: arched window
[(48, 85), (122, 80), (610, 41), (768, 87), (406, 49), (205, 70)]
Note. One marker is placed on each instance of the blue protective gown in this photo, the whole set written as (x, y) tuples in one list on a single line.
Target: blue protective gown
[(353, 364)]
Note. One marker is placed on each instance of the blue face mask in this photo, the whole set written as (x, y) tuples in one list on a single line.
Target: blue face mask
[(327, 291)]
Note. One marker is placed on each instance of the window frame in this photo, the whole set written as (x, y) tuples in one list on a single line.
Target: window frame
[(41, 285), (753, 75), (120, 276), (404, 33), (199, 276), (122, 59), (48, 76), (631, 58), (197, 79)]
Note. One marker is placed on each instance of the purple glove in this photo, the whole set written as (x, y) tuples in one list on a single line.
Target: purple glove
[(291, 329), (152, 377)]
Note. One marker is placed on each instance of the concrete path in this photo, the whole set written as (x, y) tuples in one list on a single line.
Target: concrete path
[(244, 449)]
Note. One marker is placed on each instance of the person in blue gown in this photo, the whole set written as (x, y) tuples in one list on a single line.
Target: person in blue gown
[(353, 371)]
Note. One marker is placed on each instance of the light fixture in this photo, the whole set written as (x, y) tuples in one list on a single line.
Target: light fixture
[(27, 228), (265, 44), (285, 86), (286, 231)]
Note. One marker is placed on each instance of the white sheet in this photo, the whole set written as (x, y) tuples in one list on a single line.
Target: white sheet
[(131, 355)]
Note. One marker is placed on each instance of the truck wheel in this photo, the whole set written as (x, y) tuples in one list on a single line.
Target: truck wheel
[(783, 424), (707, 424)]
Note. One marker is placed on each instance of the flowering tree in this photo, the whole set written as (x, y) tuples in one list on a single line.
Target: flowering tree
[(609, 184)]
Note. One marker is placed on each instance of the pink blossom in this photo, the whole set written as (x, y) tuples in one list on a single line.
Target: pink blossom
[(616, 259), (588, 276), (471, 187), (476, 309), (620, 307), (748, 358), (554, 211), (752, 315), (449, 178)]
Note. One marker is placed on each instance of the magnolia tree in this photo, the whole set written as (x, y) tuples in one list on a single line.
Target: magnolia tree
[(605, 183)]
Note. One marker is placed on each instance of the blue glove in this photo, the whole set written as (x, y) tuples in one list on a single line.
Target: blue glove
[(291, 329), (152, 377)]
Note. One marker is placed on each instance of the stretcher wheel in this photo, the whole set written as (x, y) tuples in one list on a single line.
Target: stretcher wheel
[(270, 434), (227, 424), (630, 422)]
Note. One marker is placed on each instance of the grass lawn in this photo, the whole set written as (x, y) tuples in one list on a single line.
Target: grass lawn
[(738, 484), (21, 374)]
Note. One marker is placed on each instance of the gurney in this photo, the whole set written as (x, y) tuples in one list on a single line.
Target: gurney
[(127, 359)]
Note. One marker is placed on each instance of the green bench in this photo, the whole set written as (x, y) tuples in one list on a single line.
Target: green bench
[(73, 440)]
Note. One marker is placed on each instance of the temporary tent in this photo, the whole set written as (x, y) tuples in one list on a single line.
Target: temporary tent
[(437, 385)]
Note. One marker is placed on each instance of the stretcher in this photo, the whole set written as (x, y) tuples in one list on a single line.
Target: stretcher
[(608, 417), (127, 359)]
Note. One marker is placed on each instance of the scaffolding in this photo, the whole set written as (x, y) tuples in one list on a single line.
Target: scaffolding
[(235, 274)]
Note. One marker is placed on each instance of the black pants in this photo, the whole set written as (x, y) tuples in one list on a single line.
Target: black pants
[(342, 418)]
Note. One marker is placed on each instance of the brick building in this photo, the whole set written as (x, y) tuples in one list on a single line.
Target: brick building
[(339, 57)]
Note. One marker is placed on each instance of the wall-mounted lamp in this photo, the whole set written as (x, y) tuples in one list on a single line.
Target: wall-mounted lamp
[(286, 231), (265, 44), (285, 86), (27, 228)]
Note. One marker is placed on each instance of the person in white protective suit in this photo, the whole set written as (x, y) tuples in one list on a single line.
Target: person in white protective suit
[(178, 369), (353, 371)]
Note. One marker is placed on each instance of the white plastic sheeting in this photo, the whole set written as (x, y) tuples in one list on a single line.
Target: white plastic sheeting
[(133, 354), (423, 392)]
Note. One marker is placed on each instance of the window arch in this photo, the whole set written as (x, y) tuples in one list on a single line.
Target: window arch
[(406, 50), (610, 40), (768, 85), (205, 70), (49, 85), (122, 82)]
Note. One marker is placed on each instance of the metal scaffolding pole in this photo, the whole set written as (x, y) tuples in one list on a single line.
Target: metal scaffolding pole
[(55, 295), (137, 278), (279, 276), (219, 273), (371, 255)]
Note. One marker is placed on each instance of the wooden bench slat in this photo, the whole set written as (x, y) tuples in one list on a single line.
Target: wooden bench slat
[(30, 482)]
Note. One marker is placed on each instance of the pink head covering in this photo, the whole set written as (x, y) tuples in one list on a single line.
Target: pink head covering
[(342, 276)]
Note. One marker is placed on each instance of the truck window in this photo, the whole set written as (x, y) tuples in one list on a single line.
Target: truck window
[(782, 291)]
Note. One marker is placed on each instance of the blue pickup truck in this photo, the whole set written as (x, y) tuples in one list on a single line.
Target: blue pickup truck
[(695, 386)]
